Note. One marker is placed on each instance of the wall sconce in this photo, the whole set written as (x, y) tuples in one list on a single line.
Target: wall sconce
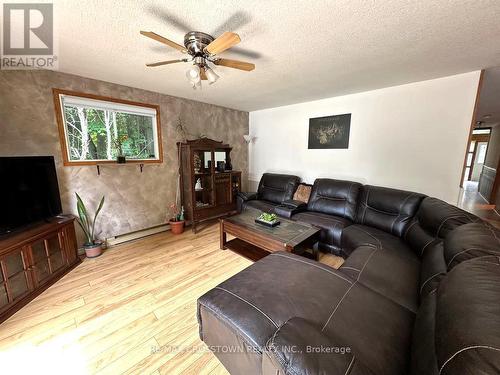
[(248, 138)]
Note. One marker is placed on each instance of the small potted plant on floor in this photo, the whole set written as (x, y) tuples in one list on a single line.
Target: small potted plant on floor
[(177, 219), (93, 247)]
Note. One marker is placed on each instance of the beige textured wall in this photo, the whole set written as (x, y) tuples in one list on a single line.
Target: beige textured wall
[(134, 200)]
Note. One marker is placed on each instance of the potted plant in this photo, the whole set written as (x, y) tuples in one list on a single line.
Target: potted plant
[(93, 248), (177, 219)]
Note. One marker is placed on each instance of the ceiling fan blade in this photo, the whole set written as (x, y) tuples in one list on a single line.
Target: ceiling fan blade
[(203, 75), (166, 62), (235, 64), (222, 43), (164, 40)]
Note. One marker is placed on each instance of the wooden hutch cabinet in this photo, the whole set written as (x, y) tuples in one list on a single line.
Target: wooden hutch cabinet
[(208, 184), (32, 260)]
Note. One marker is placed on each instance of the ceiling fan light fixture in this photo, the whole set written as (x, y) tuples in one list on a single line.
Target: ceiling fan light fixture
[(193, 74), (211, 75)]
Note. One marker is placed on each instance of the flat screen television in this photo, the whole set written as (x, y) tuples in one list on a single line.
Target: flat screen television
[(29, 191)]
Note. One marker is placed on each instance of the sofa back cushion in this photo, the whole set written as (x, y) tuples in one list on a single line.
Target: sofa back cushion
[(334, 197), (468, 318), (433, 221), (388, 209), (277, 188), (471, 241)]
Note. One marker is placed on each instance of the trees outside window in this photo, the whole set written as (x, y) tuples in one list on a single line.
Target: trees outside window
[(96, 129)]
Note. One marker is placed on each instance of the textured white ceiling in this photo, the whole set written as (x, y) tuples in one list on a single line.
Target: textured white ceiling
[(303, 50)]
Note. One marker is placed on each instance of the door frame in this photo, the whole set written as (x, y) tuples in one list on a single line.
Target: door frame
[(472, 125), (477, 138)]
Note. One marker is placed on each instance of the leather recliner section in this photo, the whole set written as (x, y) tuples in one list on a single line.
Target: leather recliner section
[(387, 209), (277, 188)]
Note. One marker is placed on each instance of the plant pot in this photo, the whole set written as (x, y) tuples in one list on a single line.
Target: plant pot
[(93, 251), (121, 159), (177, 227)]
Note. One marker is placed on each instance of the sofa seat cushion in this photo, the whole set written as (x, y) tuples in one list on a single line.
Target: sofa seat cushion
[(300, 334), (261, 205), (256, 302), (332, 226), (386, 271), (357, 235)]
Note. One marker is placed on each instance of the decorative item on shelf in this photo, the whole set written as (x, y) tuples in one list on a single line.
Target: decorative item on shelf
[(196, 163), (118, 143), (221, 166), (176, 220), (198, 186), (93, 247), (236, 187), (269, 220)]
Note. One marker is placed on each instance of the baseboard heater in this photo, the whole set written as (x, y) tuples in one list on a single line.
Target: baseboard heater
[(137, 234)]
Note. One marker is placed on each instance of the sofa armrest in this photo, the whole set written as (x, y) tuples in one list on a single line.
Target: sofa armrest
[(300, 347), (243, 197), (295, 204), (247, 196), (289, 208)]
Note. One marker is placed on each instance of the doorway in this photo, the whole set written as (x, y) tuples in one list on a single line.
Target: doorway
[(476, 155), (480, 181)]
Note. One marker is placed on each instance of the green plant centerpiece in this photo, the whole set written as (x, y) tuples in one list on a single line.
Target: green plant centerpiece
[(268, 219), (93, 248)]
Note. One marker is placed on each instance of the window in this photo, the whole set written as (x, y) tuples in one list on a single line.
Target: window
[(481, 152), (96, 130), (482, 131)]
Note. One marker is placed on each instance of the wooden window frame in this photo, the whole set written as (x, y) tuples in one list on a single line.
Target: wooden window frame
[(62, 131)]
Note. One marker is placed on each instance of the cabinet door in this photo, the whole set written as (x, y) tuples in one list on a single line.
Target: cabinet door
[(15, 281), (222, 189), (202, 170), (40, 258), (48, 257), (55, 253), (69, 244)]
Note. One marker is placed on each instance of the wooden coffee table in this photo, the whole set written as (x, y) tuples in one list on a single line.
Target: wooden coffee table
[(255, 241)]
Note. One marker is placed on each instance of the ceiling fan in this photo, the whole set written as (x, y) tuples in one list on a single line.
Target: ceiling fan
[(202, 49)]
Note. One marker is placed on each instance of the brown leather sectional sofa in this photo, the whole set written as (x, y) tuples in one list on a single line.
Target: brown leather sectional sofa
[(418, 293)]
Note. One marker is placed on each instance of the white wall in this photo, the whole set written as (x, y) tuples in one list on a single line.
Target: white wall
[(409, 137)]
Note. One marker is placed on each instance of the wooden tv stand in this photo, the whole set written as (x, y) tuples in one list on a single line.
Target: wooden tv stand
[(33, 259)]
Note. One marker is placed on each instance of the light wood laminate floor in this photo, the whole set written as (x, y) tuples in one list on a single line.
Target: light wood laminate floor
[(130, 311)]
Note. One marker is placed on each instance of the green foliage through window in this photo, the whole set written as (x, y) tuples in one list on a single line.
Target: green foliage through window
[(102, 133)]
